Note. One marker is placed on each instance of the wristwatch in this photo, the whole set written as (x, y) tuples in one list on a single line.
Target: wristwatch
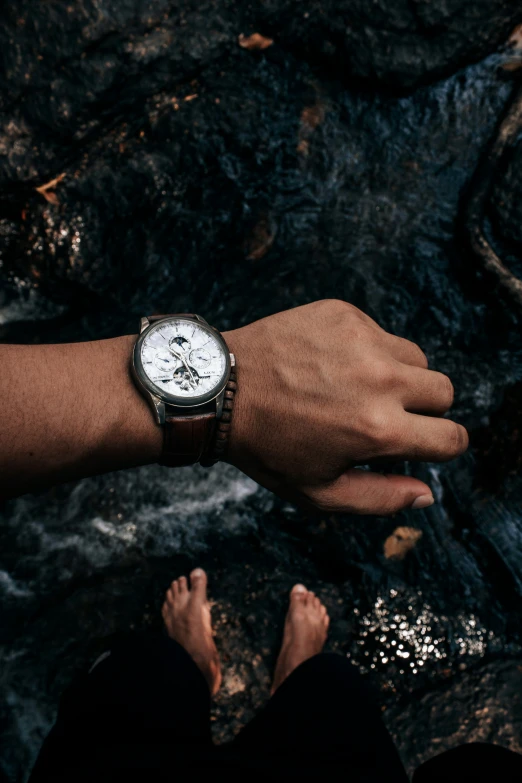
[(184, 369)]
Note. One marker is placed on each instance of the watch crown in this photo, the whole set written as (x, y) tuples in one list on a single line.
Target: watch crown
[(232, 360)]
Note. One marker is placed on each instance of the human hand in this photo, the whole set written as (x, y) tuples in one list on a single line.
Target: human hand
[(321, 389)]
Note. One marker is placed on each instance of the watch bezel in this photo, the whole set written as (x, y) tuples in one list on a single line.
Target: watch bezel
[(172, 399)]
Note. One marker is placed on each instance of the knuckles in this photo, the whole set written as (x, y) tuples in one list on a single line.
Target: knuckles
[(382, 373), (423, 359), (376, 430)]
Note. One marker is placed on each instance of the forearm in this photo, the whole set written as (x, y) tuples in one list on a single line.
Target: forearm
[(321, 389), (68, 411)]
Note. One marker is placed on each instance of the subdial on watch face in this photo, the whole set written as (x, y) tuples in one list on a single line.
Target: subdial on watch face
[(180, 343), (165, 361), (200, 358), (186, 378)]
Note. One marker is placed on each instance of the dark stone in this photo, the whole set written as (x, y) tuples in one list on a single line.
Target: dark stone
[(505, 208), (483, 705), (400, 44), (203, 176)]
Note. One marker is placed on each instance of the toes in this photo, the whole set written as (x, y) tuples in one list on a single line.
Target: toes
[(310, 598), (298, 593), (182, 584), (198, 583), (174, 588)]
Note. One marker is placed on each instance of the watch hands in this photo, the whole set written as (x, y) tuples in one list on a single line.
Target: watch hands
[(182, 359)]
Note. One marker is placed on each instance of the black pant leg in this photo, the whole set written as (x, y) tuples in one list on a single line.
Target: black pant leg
[(322, 719), (479, 762), (140, 707)]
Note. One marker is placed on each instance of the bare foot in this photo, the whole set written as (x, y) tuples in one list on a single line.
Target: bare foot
[(186, 613), (306, 629)]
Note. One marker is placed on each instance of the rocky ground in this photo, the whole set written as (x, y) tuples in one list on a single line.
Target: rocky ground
[(154, 159)]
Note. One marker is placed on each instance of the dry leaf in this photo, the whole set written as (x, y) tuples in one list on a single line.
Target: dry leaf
[(254, 42), (515, 44), (401, 541), (43, 190), (261, 239), (311, 118), (51, 197)]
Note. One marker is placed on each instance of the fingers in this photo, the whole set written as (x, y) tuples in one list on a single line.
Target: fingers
[(425, 391), (429, 439), (363, 492)]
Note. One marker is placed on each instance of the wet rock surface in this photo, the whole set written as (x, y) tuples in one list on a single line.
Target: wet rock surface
[(204, 175), (505, 209), (399, 45)]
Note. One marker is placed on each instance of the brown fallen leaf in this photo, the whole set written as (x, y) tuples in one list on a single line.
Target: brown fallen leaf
[(255, 42), (311, 117), (261, 239), (401, 541), (515, 44), (43, 190)]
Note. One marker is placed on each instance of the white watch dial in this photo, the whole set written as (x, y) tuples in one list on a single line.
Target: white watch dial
[(183, 358)]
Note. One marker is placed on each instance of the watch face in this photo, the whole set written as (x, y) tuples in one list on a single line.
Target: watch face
[(183, 359)]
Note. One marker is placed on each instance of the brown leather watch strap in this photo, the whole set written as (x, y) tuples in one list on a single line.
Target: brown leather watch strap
[(186, 438), (218, 445)]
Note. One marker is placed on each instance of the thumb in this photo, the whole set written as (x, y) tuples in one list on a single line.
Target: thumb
[(362, 492)]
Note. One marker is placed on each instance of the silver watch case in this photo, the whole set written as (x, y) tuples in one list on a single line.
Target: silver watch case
[(158, 399)]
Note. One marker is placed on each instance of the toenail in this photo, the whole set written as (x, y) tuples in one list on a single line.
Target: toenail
[(197, 573)]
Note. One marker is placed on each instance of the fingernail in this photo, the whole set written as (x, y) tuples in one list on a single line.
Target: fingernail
[(423, 501)]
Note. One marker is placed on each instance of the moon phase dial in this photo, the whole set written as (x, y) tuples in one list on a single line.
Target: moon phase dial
[(186, 379), (180, 343), (200, 358)]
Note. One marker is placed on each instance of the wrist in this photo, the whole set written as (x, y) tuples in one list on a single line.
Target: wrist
[(244, 417), (133, 432)]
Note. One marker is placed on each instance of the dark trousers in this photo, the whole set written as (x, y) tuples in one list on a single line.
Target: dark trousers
[(146, 708), (144, 711)]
